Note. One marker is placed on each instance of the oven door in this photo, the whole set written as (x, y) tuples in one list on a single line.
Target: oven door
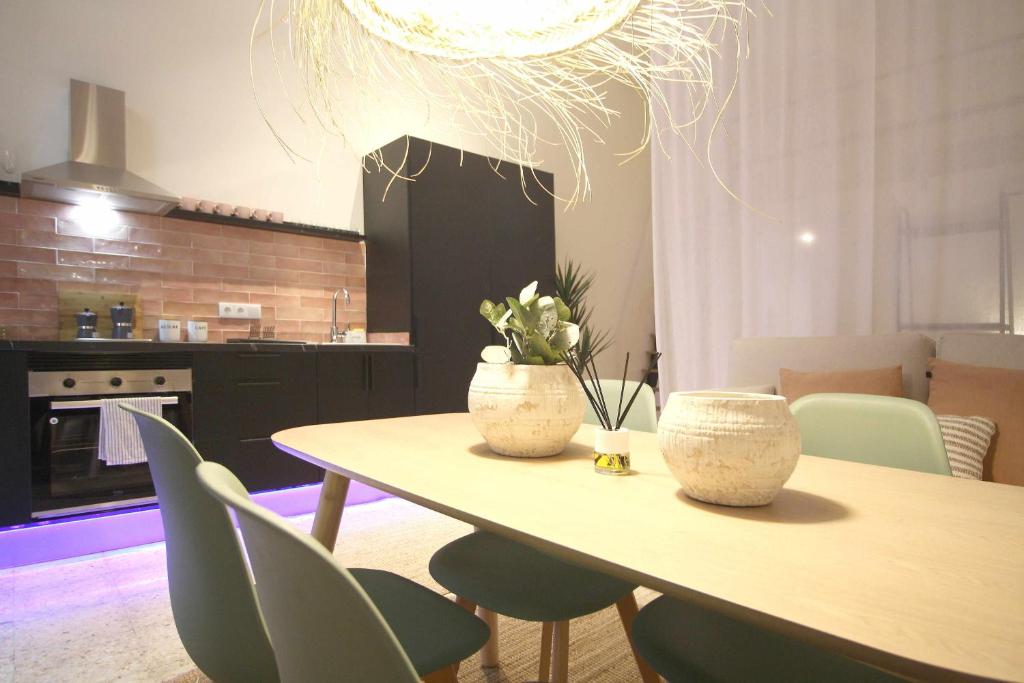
[(67, 475)]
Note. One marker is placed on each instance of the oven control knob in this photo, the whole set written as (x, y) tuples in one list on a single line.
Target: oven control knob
[(160, 381), (115, 381), (69, 383)]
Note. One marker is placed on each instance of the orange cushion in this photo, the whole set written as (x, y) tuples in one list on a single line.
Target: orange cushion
[(881, 382), (995, 393)]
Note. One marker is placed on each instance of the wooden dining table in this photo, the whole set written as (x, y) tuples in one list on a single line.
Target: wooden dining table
[(918, 574)]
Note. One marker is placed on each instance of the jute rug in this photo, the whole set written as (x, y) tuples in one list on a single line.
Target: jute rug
[(400, 537)]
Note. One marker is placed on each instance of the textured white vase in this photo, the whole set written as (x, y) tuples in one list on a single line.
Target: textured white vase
[(527, 411), (729, 448)]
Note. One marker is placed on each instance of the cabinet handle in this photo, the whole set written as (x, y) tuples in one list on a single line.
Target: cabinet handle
[(266, 383)]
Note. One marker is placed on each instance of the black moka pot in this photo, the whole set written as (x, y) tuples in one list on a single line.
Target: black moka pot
[(86, 322), (123, 318)]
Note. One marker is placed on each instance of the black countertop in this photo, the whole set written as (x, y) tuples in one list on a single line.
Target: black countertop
[(143, 346)]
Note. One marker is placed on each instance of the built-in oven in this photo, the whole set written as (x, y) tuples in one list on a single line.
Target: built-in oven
[(68, 476)]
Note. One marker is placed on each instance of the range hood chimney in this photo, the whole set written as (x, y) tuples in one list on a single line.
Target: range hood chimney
[(96, 168)]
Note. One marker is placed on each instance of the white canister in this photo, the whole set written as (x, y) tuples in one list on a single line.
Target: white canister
[(729, 448), (198, 330), (169, 330)]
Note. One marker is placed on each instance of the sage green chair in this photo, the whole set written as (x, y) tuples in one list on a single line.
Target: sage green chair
[(877, 430), (331, 624), (215, 606), (212, 596), (515, 580), (642, 417), (684, 642)]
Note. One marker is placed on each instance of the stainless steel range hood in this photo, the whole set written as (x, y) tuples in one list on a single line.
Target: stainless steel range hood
[(96, 167)]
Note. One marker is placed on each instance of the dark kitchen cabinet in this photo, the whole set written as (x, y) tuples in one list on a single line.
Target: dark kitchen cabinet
[(438, 246), (359, 385), (15, 456), (240, 399)]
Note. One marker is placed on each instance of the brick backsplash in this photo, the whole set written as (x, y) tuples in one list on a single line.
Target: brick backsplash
[(179, 269)]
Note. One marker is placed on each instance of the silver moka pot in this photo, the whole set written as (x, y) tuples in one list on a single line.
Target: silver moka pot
[(123, 318), (86, 322)]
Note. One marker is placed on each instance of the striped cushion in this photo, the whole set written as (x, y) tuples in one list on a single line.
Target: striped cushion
[(967, 440)]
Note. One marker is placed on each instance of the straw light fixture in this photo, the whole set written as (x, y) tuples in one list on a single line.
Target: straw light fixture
[(518, 73)]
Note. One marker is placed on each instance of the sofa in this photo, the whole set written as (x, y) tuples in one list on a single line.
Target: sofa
[(754, 365)]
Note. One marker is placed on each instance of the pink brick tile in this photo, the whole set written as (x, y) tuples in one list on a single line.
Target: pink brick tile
[(232, 258), (46, 271), (247, 234), (168, 237), (51, 240), (262, 261), (116, 232), (250, 286), (26, 286), (319, 302), (8, 236), (328, 280), (336, 268), (9, 204), (189, 309), (191, 227), (18, 220), (302, 290), (218, 270), (275, 300), (157, 293), (212, 296), (280, 276), (210, 256), (83, 258), (31, 254), (195, 282), (118, 277), (36, 207), (8, 269), (8, 300), (298, 240), (105, 246), (219, 243), (154, 265), (355, 282), (343, 246), (46, 302), (13, 316), (273, 249), (288, 313), (33, 332), (307, 265), (320, 254)]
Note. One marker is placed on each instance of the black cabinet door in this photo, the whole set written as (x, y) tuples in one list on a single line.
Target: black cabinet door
[(15, 451), (522, 234), (391, 384), (240, 399), (343, 386)]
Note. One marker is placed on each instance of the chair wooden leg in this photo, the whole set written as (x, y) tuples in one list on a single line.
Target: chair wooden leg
[(329, 509), (627, 612), (560, 652), (545, 651), (466, 604), (443, 675), (489, 653)]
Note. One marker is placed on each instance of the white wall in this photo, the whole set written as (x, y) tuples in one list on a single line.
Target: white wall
[(193, 128)]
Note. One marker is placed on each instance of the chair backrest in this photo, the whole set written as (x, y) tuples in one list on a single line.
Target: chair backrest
[(878, 430), (212, 596), (642, 417), (323, 625)]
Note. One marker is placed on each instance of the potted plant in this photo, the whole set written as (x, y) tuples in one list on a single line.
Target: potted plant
[(523, 398)]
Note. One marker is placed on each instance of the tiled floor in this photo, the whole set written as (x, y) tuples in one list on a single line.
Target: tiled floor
[(107, 617)]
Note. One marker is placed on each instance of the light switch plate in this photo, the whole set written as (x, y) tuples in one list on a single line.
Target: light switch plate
[(246, 311)]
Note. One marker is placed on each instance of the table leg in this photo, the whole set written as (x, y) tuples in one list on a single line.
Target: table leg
[(489, 654), (443, 675), (329, 509), (545, 651), (627, 612), (560, 653)]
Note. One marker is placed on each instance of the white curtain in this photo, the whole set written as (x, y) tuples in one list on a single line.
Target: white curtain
[(881, 146)]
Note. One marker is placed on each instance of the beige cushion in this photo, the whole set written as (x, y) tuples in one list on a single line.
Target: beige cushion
[(990, 350), (757, 360), (994, 393), (967, 440), (879, 381)]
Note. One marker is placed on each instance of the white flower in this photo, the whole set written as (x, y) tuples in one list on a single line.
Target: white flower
[(528, 292)]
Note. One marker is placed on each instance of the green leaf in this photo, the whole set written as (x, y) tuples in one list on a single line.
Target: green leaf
[(540, 347), (534, 360), (523, 314), (564, 314)]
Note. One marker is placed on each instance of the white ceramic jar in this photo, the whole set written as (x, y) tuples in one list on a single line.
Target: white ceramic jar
[(526, 411), (729, 448)]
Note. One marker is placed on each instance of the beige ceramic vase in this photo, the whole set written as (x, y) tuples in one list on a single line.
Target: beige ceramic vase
[(526, 411), (729, 448)]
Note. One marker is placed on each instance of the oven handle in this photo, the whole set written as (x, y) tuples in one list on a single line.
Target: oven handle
[(71, 405)]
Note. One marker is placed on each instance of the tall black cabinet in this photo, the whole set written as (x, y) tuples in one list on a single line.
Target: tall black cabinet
[(438, 244)]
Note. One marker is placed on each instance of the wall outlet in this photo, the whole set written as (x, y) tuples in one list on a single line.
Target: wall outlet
[(246, 311)]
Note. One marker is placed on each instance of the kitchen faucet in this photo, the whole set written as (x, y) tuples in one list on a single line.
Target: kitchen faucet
[(337, 335)]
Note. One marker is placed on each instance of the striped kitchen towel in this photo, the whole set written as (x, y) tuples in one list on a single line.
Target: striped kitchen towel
[(120, 443)]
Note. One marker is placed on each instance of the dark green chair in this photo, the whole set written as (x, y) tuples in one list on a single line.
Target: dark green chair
[(684, 642), (215, 605), (510, 578)]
